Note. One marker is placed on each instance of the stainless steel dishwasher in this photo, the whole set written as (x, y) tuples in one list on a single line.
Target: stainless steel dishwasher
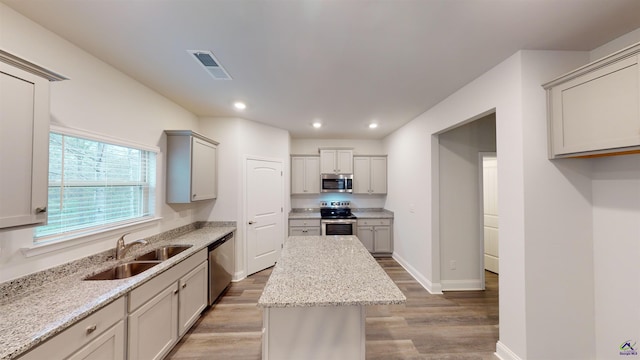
[(221, 265)]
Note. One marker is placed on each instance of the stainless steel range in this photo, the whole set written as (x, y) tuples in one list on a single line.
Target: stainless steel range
[(336, 218)]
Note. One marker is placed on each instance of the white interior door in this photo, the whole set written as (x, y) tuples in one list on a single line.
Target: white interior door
[(264, 212), (490, 214)]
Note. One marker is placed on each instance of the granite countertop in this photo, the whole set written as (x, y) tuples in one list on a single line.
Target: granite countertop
[(39, 312), (328, 271)]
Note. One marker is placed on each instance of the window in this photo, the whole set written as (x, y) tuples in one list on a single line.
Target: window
[(95, 185)]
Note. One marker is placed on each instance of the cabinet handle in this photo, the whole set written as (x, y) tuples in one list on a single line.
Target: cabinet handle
[(251, 222), (184, 285), (194, 196), (91, 329), (40, 210), (175, 292)]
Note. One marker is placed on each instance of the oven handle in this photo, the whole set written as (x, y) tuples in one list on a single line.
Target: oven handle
[(338, 221)]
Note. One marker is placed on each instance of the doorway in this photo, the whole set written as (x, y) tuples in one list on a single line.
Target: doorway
[(461, 224)]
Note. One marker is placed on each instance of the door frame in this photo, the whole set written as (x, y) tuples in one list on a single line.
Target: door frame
[(244, 207)]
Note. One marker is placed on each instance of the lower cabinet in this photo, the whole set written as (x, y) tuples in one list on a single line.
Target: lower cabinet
[(100, 336), (376, 235), (164, 308), (304, 227)]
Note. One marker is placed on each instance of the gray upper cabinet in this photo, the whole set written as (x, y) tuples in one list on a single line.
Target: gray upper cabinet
[(191, 167), (336, 161), (595, 110), (305, 175), (24, 142), (370, 175)]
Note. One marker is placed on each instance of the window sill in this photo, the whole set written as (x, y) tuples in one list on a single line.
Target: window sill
[(78, 239)]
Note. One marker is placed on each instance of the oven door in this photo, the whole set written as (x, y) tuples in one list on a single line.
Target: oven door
[(338, 227)]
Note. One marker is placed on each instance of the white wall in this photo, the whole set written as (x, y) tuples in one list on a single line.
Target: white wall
[(240, 139), (100, 99), (513, 89), (360, 147), (616, 235), (460, 208)]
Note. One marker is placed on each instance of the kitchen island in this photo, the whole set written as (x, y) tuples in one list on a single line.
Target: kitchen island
[(314, 301)]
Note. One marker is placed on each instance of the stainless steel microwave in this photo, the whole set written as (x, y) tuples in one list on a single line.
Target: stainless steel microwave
[(336, 183)]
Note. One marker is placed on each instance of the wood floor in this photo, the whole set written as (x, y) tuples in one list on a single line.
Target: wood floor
[(456, 325)]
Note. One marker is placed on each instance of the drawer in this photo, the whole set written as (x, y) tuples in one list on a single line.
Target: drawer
[(304, 222), (375, 222), (304, 231)]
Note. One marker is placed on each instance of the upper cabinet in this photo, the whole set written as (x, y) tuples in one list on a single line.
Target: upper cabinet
[(595, 110), (370, 175), (305, 175), (191, 167), (24, 141), (336, 161)]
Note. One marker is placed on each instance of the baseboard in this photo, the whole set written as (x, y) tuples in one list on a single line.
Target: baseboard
[(239, 276), (504, 353), (432, 288), (460, 285)]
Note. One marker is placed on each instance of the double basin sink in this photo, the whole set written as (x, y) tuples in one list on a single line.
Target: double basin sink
[(140, 264)]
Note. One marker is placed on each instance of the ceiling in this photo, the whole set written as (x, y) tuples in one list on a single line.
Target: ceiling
[(344, 62)]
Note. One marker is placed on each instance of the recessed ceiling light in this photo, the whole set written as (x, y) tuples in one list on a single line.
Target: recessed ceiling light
[(239, 105), (317, 124), (373, 126)]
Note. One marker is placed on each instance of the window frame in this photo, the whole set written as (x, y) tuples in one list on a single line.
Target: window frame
[(59, 241)]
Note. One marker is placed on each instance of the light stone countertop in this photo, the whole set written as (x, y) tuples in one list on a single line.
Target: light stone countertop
[(40, 312), (328, 271)]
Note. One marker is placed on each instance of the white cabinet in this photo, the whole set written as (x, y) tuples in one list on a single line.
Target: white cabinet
[(376, 235), (100, 336), (305, 175), (163, 309), (370, 175), (595, 109), (192, 297), (304, 227), (153, 327), (191, 167), (24, 142), (336, 161)]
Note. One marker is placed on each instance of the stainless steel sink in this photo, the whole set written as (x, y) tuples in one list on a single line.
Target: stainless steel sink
[(163, 253), (124, 271)]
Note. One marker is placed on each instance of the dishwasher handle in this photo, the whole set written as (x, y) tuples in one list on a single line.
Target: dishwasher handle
[(220, 241)]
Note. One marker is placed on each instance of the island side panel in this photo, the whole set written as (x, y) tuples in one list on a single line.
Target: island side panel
[(314, 333)]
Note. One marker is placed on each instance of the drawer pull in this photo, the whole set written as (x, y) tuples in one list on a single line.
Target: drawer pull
[(91, 329), (40, 210)]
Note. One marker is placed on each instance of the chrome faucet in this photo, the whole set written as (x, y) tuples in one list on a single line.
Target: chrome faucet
[(121, 248)]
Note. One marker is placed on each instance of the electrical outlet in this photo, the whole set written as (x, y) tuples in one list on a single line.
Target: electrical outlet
[(452, 264)]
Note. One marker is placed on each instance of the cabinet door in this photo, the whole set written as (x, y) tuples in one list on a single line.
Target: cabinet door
[(153, 328), (378, 175), (382, 237), (328, 162), (203, 170), (598, 110), (193, 297), (361, 175), (344, 161), (365, 234), (297, 175), (24, 143), (108, 346)]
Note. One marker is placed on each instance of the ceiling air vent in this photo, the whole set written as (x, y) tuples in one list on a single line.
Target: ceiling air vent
[(210, 63)]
